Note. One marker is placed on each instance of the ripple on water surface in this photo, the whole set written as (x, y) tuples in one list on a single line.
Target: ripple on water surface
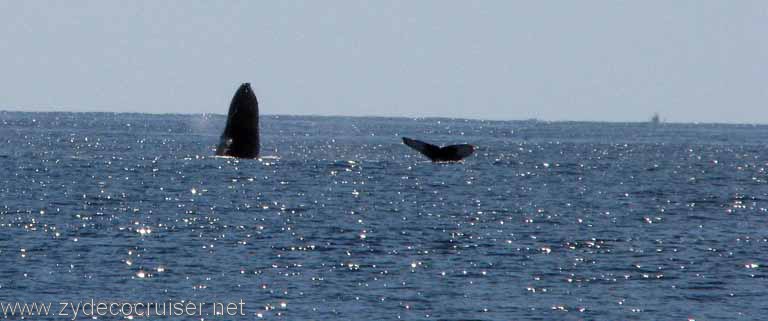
[(342, 221)]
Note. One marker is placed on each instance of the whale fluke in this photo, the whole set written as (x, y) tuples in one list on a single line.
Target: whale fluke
[(451, 153), (241, 136)]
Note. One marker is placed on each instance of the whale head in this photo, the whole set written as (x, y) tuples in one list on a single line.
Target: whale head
[(244, 101), (241, 134)]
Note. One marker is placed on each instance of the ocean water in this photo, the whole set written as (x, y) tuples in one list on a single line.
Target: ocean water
[(341, 221)]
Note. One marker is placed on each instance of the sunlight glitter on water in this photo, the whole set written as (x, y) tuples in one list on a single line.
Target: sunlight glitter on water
[(612, 216)]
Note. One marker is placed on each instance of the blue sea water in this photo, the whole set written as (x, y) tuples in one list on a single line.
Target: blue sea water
[(341, 221)]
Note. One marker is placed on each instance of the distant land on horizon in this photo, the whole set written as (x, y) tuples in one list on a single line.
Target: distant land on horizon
[(649, 120)]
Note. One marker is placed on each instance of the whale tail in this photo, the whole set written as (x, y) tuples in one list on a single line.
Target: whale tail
[(241, 135), (451, 153)]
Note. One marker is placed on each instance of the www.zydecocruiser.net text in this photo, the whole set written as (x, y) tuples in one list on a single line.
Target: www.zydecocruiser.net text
[(96, 308)]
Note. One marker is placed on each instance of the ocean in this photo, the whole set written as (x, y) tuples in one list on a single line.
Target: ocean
[(341, 221)]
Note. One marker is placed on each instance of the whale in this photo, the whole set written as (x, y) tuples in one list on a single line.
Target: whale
[(240, 138), (451, 153)]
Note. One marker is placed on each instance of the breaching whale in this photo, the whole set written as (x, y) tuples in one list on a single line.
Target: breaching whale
[(450, 153), (241, 136)]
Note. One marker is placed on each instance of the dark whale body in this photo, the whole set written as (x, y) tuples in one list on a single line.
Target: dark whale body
[(241, 136), (452, 153)]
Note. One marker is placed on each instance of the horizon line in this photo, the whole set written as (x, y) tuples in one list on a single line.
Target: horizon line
[(533, 119)]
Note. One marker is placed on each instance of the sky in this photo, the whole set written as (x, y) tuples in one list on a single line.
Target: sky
[(690, 61)]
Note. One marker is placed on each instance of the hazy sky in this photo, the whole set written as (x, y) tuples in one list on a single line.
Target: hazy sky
[(554, 60)]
